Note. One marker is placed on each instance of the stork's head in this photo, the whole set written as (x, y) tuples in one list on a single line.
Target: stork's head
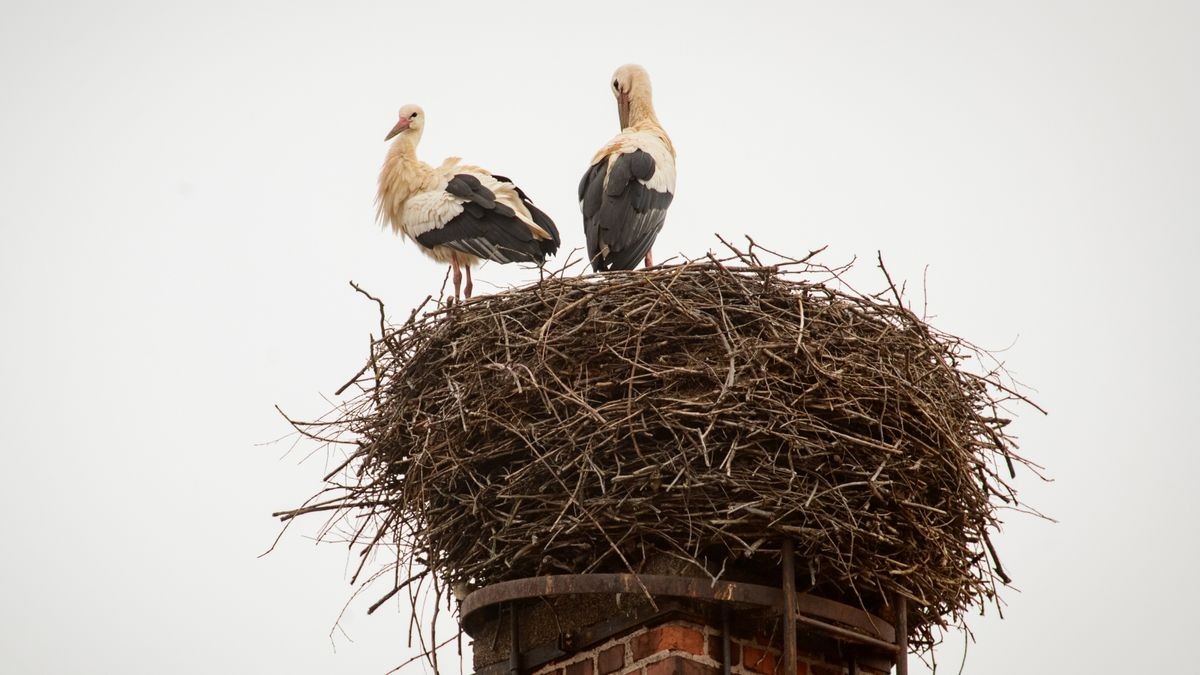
[(412, 120), (629, 82)]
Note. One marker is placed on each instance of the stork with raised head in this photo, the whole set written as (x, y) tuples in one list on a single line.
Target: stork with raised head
[(458, 213), (631, 181)]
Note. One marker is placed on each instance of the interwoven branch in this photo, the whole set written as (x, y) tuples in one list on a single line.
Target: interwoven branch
[(705, 411)]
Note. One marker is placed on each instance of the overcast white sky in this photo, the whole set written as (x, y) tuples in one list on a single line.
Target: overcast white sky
[(186, 188)]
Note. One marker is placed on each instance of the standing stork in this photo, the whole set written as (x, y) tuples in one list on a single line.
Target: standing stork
[(631, 181), (458, 213)]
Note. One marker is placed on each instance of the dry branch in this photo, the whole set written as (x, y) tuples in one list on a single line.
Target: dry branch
[(704, 410)]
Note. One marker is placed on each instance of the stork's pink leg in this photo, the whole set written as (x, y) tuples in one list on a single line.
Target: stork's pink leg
[(649, 260), (467, 290), (457, 275)]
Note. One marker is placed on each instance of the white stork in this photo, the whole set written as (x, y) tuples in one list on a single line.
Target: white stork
[(457, 213), (631, 181)]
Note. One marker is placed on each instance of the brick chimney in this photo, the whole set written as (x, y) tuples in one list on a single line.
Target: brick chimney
[(681, 647)]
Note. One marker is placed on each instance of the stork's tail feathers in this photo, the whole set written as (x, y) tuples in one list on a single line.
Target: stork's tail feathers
[(549, 246), (629, 258)]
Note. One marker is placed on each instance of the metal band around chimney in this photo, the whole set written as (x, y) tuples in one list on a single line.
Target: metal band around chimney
[(815, 611)]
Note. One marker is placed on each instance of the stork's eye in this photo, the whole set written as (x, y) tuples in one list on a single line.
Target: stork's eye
[(615, 85), (412, 116)]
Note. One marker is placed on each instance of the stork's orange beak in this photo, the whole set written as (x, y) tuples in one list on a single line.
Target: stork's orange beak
[(400, 126), (623, 109)]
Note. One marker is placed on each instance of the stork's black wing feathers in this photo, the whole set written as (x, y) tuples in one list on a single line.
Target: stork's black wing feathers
[(543, 221), (591, 194), (469, 188), (621, 216), (487, 235), (489, 229), (641, 165)]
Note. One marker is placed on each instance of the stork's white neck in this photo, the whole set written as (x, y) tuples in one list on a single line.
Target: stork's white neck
[(642, 117), (641, 107), (405, 145), (402, 175), (402, 156)]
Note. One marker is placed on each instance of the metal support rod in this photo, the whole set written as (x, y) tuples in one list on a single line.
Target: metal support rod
[(514, 642), (849, 635), (901, 635), (694, 588), (789, 609), (726, 659)]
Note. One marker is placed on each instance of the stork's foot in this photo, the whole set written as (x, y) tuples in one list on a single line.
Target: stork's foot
[(467, 289)]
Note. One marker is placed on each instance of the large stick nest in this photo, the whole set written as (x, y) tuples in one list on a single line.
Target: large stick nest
[(703, 411)]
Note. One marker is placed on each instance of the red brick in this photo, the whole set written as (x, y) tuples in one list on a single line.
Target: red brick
[(714, 650), (580, 668), (680, 665), (759, 660), (667, 637), (611, 660)]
